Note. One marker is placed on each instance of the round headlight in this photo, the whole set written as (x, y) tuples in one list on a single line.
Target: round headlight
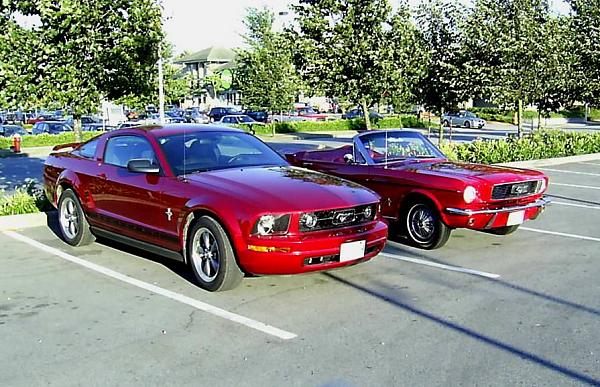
[(469, 194), (265, 224), (309, 220)]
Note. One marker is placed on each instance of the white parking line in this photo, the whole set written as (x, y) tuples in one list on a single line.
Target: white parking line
[(440, 265), (259, 326), (572, 172), (589, 163), (575, 186), (583, 237), (575, 205)]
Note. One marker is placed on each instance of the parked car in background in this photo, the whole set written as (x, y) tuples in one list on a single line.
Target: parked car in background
[(195, 115), (288, 117), (216, 198), (11, 130), (260, 116), (358, 113), (216, 113), (39, 118), (309, 112), (50, 127), (463, 118), (424, 194), (174, 117), (239, 119), (93, 127), (129, 124)]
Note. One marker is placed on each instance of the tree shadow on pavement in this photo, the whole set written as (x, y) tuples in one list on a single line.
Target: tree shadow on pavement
[(531, 357), (15, 171)]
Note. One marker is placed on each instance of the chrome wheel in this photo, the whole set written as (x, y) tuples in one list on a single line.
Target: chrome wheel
[(421, 223), (69, 218), (205, 254)]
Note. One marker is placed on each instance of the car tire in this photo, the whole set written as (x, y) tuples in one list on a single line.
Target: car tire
[(504, 230), (211, 256), (74, 227), (467, 124), (423, 226), (446, 123)]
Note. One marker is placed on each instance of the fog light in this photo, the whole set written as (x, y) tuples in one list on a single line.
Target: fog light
[(309, 220)]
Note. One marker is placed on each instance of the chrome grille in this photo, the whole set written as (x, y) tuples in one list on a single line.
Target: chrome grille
[(516, 190), (342, 217)]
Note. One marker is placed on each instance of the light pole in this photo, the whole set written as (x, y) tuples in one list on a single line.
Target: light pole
[(161, 89)]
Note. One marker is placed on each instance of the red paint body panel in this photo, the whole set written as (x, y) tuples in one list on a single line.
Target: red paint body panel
[(135, 204)]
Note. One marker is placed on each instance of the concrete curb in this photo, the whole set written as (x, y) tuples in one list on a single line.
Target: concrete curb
[(16, 222), (554, 161)]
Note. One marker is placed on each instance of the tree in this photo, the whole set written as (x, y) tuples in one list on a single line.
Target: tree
[(585, 43), (444, 85), (89, 50), (265, 74), (358, 50), (505, 50)]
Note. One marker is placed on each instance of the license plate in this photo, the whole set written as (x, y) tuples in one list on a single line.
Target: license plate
[(515, 218), (352, 250)]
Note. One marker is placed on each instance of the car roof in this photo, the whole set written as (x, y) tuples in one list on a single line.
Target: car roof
[(173, 129)]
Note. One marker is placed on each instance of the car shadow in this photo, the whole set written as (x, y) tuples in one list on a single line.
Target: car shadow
[(575, 199), (395, 300), (17, 171)]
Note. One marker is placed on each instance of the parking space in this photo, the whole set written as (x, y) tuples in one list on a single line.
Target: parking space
[(522, 309)]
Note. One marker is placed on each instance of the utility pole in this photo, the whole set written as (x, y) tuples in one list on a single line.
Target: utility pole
[(161, 89)]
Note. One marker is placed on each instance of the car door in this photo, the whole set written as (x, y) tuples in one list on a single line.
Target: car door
[(132, 203)]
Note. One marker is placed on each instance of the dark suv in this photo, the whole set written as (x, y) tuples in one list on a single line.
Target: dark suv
[(217, 113)]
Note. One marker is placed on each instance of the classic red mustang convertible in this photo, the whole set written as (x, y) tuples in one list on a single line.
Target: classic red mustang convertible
[(216, 198), (425, 194)]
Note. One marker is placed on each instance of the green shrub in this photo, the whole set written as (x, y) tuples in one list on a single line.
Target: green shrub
[(406, 121), (27, 199), (47, 139), (539, 145)]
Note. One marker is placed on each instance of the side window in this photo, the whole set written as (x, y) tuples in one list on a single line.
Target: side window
[(121, 149), (88, 150)]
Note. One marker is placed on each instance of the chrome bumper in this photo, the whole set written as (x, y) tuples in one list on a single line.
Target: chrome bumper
[(541, 202)]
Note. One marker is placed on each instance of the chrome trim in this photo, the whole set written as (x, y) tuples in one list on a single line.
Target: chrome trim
[(541, 202)]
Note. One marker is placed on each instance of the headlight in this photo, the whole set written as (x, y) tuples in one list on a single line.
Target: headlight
[(469, 194), (272, 225), (308, 221)]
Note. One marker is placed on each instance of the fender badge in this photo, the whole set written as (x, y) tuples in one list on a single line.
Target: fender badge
[(169, 214)]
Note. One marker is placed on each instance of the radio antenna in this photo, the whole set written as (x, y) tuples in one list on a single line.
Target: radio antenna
[(386, 149)]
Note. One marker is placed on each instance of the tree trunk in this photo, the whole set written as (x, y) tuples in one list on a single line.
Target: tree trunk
[(520, 118), (539, 120), (441, 138), (365, 109), (77, 127)]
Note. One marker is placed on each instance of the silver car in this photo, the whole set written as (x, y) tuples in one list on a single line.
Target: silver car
[(463, 118)]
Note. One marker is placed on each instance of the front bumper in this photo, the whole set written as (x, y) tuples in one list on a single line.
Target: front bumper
[(312, 251), (492, 218)]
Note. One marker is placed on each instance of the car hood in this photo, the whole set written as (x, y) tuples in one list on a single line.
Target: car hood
[(466, 171), (284, 189)]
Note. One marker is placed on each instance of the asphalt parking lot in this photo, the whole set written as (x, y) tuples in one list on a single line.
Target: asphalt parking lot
[(522, 309)]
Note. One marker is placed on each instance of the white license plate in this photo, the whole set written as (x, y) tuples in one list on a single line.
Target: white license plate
[(352, 250), (515, 218)]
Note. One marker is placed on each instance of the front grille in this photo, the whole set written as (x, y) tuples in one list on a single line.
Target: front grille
[(343, 217), (516, 190)]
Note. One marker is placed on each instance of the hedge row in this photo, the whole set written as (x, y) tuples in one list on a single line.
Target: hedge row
[(500, 115), (46, 139), (538, 145), (408, 121)]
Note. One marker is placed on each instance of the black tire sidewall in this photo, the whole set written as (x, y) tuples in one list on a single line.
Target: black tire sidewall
[(440, 233), (226, 254), (68, 193)]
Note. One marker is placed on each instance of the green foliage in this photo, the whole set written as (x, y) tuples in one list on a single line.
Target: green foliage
[(265, 74), (444, 85), (340, 125), (24, 200), (82, 51), (47, 139), (357, 50), (539, 145)]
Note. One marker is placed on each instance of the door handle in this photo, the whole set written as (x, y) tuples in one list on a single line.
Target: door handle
[(101, 176)]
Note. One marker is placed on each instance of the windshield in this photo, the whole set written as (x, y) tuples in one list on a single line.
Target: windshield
[(390, 146), (469, 114), (206, 151), (245, 119)]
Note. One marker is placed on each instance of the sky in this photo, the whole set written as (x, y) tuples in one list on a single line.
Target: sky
[(193, 25)]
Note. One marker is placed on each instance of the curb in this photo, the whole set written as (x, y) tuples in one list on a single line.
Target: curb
[(16, 222), (554, 161)]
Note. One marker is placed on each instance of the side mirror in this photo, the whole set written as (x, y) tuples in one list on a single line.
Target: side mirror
[(348, 158), (142, 166)]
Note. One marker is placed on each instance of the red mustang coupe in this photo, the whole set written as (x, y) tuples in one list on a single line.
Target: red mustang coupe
[(216, 198), (425, 194)]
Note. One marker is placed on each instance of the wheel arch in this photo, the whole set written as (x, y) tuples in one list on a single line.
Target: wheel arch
[(421, 195)]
